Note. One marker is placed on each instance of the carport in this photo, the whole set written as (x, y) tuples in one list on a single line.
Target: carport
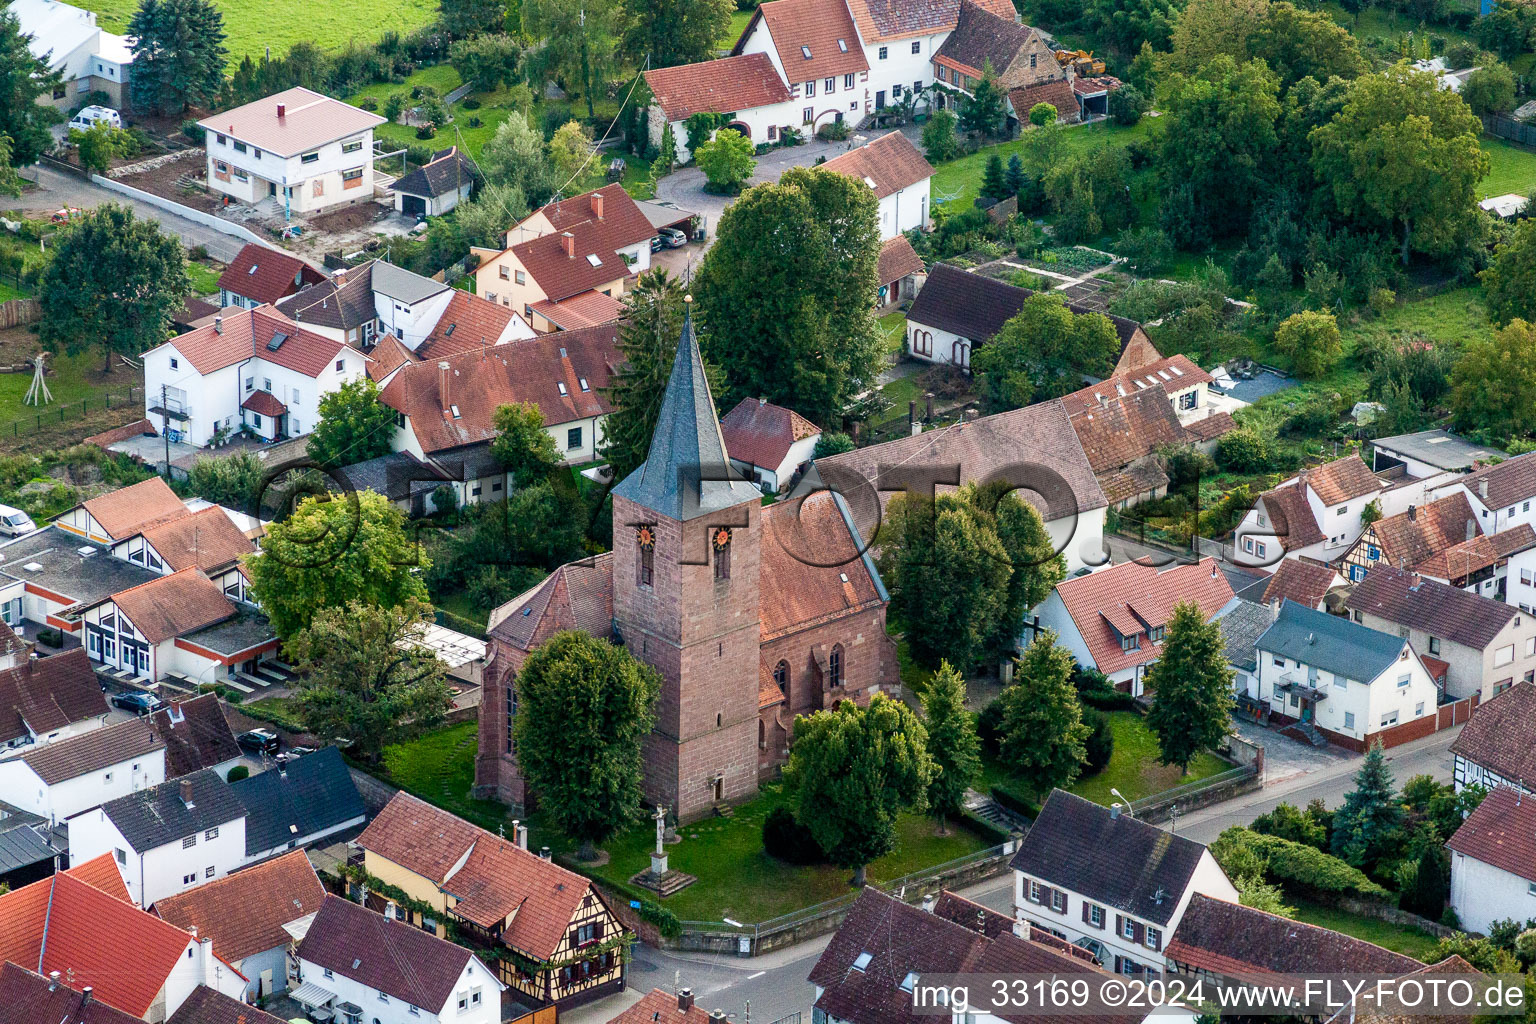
[(662, 216)]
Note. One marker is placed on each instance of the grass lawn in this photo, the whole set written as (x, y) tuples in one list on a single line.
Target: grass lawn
[(961, 178), (1513, 170), (1396, 937), (205, 280), (1133, 768), (253, 25), (71, 379), (739, 21), (7, 293), (894, 327), (736, 878), (280, 708)]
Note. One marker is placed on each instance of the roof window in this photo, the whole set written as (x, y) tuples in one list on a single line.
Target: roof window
[(842, 46), (561, 385), (862, 961), (909, 982), (455, 410), (252, 271), (277, 341), (594, 259), (584, 385), (805, 51)]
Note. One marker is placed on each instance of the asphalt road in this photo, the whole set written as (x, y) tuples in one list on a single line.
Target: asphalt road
[(59, 188), (775, 984)]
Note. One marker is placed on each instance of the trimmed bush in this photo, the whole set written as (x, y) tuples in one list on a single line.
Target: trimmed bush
[(989, 725), (1100, 744), (982, 828), (238, 772), (787, 840), (1301, 869), (664, 920), (1016, 801)]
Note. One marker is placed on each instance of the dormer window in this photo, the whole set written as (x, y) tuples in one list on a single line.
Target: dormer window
[(1130, 643), (1156, 634), (455, 411)]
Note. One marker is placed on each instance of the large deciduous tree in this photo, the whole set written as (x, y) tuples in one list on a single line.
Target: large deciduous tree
[(1042, 352), (1192, 680), (332, 550), (178, 54), (464, 18), (24, 79), (786, 293), (114, 281), (515, 156), (354, 425), (1311, 340), (1042, 735), (1493, 386), (952, 742), (584, 707), (1509, 283), (366, 676), (851, 771), (522, 445), (664, 33), (579, 43), (1403, 154)]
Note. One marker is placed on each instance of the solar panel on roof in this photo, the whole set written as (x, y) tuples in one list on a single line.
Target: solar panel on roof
[(277, 341)]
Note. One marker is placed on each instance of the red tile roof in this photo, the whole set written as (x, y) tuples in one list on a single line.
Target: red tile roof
[(717, 86), (815, 39), (1508, 482), (1501, 832), (623, 217), (173, 605), (1419, 533), (128, 510), (1291, 518), (209, 1006), (74, 756), (807, 551), (27, 997), (659, 1006), (588, 309), (1462, 560), (1208, 428), (196, 735), (889, 163), (244, 913), (760, 433), (562, 275), (1124, 428), (76, 916), (244, 333), (266, 275), (48, 694), (898, 260), (1131, 597), (102, 873), (264, 403), (1342, 480), (884, 20), (530, 370), (206, 539), (1233, 941), (467, 324), (578, 595), (1302, 582), (419, 837), (1170, 375)]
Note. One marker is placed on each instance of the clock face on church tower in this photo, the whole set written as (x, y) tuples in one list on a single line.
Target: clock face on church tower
[(645, 536), (721, 537)]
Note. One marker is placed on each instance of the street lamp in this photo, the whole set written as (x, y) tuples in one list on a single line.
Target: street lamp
[(1122, 802)]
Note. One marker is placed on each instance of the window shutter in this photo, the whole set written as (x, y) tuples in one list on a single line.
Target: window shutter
[(1085, 910), (1141, 933), (574, 937), (1157, 941), (1119, 927), (597, 932)]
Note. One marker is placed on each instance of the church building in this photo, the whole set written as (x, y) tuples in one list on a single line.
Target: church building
[(752, 614)]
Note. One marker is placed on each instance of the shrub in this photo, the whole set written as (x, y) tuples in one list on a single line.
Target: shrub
[(194, 132), (834, 443), (1242, 451), (394, 106), (426, 131), (470, 104), (1100, 743), (989, 833), (989, 725), (1149, 249), (834, 131), (787, 840), (1016, 801), (665, 921), (1301, 868), (1312, 341), (368, 103), (1127, 104), (238, 772), (1107, 700)]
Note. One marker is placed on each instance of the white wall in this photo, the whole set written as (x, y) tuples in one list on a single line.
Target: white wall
[(789, 113), (1482, 894), (474, 979), (23, 788), (900, 66), (198, 965), (159, 872), (411, 322), (295, 179), (904, 209), (1492, 520), (1354, 707)]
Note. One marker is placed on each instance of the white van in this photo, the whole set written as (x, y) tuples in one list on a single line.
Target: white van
[(90, 117), (14, 522)]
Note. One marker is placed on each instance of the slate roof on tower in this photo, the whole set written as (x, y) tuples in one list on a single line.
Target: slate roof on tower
[(687, 438)]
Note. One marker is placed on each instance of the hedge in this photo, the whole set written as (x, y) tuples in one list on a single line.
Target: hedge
[(455, 621), (1108, 700), (665, 921), (277, 718), (1016, 802), (982, 828), (1303, 869)]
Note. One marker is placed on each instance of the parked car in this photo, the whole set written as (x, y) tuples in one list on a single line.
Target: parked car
[(259, 741), (14, 522), (617, 168), (138, 703), (64, 214), (673, 238), (90, 117), (293, 754)]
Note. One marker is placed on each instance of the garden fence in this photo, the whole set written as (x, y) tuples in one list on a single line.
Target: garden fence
[(47, 416), (1503, 126), (20, 311)]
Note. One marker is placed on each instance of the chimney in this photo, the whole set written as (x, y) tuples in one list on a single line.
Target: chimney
[(929, 899), (912, 410), (569, 241), (442, 385), (928, 405), (717, 1016), (684, 1000), (192, 931), (522, 837), (282, 111), (177, 715), (218, 324), (1413, 513), (186, 792), (340, 277), (85, 998), (597, 205), (1274, 609), (1114, 811), (544, 853), (1021, 929), (53, 980), (969, 415), (1482, 488)]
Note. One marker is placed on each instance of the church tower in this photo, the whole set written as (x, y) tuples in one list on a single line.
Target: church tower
[(686, 533)]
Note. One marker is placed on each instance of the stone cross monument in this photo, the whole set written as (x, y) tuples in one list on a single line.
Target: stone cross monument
[(659, 858)]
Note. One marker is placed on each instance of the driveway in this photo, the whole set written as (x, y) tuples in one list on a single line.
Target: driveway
[(58, 188)]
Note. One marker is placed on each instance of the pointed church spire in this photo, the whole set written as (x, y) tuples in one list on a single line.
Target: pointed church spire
[(686, 473)]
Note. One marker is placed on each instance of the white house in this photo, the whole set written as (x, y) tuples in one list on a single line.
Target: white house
[(1484, 645), (62, 779), (1353, 684), (86, 58), (901, 41), (45, 700), (747, 86), (1501, 494), (1316, 513), (167, 838), (304, 151), (899, 176), (1113, 620), (1497, 747), (1493, 861), (815, 48), (250, 370), (768, 443), (350, 963), (1109, 882)]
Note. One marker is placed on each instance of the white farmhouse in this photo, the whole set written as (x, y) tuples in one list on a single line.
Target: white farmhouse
[(251, 369), (899, 176), (168, 838), (86, 58), (1502, 495), (351, 962), (1493, 861), (1354, 685), (815, 48), (61, 779), (1109, 882), (304, 151)]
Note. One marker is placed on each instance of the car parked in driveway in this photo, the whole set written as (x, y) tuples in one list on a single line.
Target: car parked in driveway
[(138, 703), (259, 741), (293, 754), (673, 238)]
